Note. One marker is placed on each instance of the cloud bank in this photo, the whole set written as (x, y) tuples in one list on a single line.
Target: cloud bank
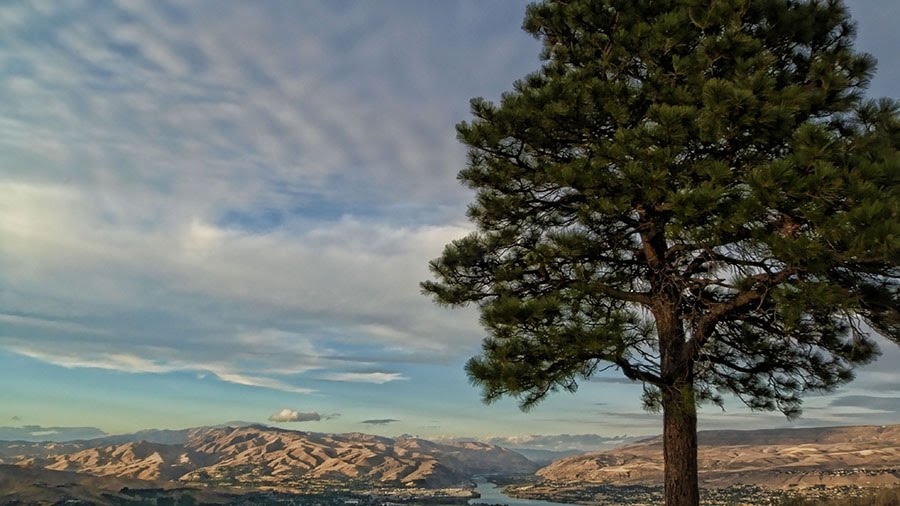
[(558, 442), (868, 402), (38, 433)]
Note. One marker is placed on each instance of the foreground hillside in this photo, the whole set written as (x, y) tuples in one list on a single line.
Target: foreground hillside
[(274, 458), (20, 485), (778, 459)]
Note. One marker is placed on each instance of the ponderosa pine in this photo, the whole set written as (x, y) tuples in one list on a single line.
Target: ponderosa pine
[(693, 192)]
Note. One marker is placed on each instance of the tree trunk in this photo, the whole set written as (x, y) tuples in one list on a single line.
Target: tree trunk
[(680, 446), (679, 410), (676, 369)]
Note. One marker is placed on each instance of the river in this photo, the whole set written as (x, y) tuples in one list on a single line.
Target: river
[(492, 494)]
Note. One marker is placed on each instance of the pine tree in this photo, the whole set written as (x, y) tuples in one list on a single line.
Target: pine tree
[(693, 192)]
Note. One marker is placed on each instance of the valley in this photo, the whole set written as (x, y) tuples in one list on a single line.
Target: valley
[(267, 465)]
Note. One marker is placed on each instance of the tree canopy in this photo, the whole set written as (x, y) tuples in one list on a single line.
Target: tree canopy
[(694, 192), (718, 151)]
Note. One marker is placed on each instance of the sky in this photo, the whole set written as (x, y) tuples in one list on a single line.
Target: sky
[(217, 210)]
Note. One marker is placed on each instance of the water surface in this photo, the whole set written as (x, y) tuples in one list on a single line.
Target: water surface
[(492, 494)]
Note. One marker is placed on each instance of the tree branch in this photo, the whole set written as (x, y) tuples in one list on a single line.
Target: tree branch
[(635, 373), (741, 300)]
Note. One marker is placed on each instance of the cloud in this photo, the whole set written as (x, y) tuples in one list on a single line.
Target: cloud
[(290, 415), (558, 442), (379, 421), (111, 361), (868, 402), (261, 382), (38, 433), (221, 285), (176, 199), (168, 190), (365, 377), (55, 325), (133, 364)]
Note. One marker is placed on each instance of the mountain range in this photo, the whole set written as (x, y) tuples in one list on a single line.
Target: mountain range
[(219, 461), (259, 456)]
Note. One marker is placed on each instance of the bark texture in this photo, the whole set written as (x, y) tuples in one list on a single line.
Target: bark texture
[(680, 447)]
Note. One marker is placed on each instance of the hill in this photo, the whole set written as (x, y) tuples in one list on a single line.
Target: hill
[(19, 485), (777, 458)]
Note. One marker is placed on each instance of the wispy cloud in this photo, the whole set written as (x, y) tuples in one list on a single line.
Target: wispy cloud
[(261, 382), (112, 361), (380, 421), (68, 327), (134, 364), (365, 377)]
